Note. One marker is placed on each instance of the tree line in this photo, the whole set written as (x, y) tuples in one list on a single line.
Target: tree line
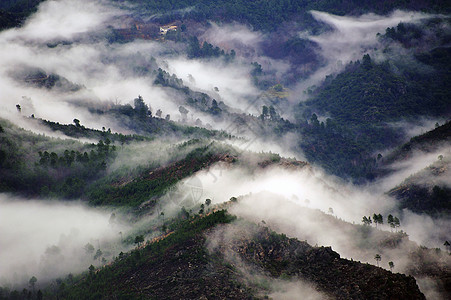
[(392, 221)]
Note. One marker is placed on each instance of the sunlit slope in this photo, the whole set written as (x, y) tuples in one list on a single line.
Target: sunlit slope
[(65, 167), (106, 168)]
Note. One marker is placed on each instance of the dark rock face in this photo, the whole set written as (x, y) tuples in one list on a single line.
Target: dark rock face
[(185, 272), (339, 278)]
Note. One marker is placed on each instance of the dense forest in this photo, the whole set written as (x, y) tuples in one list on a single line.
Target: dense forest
[(264, 15), (362, 101), (14, 12)]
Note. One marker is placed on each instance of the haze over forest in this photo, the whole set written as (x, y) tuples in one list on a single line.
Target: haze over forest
[(236, 149)]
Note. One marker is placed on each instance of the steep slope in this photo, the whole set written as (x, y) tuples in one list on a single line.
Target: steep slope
[(360, 104), (41, 166), (278, 255), (427, 191), (175, 267), (14, 12), (211, 254), (102, 172), (186, 265), (427, 142), (357, 242)]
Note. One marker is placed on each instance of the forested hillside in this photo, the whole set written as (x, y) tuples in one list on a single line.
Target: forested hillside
[(361, 102), (225, 149), (149, 271), (264, 15), (14, 12)]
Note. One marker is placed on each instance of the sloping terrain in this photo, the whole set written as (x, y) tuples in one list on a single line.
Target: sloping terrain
[(195, 149), (428, 142), (180, 266)]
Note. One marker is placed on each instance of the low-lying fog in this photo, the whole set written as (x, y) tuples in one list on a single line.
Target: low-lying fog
[(47, 239), (69, 38), (312, 206), (51, 41), (350, 38), (320, 209)]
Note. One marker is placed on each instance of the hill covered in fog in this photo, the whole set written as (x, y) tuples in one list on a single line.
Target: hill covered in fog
[(234, 149)]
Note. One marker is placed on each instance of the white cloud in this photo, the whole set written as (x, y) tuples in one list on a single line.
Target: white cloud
[(29, 227), (64, 19), (350, 39), (234, 83), (233, 36)]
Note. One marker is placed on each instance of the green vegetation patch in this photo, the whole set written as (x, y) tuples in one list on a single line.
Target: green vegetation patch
[(173, 267)]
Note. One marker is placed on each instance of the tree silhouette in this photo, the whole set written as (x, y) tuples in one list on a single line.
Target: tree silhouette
[(396, 223), (32, 282), (366, 221), (141, 108), (272, 113), (375, 219), (391, 265), (366, 62), (381, 219), (265, 112), (98, 254), (447, 245), (378, 258), (139, 239), (378, 219), (89, 248), (184, 112), (91, 270), (391, 221)]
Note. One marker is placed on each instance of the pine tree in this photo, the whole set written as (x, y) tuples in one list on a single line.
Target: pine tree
[(378, 258)]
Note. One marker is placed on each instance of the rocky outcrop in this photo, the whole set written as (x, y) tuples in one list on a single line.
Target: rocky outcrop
[(278, 255)]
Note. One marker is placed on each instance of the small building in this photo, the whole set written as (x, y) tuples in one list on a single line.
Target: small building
[(167, 28)]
